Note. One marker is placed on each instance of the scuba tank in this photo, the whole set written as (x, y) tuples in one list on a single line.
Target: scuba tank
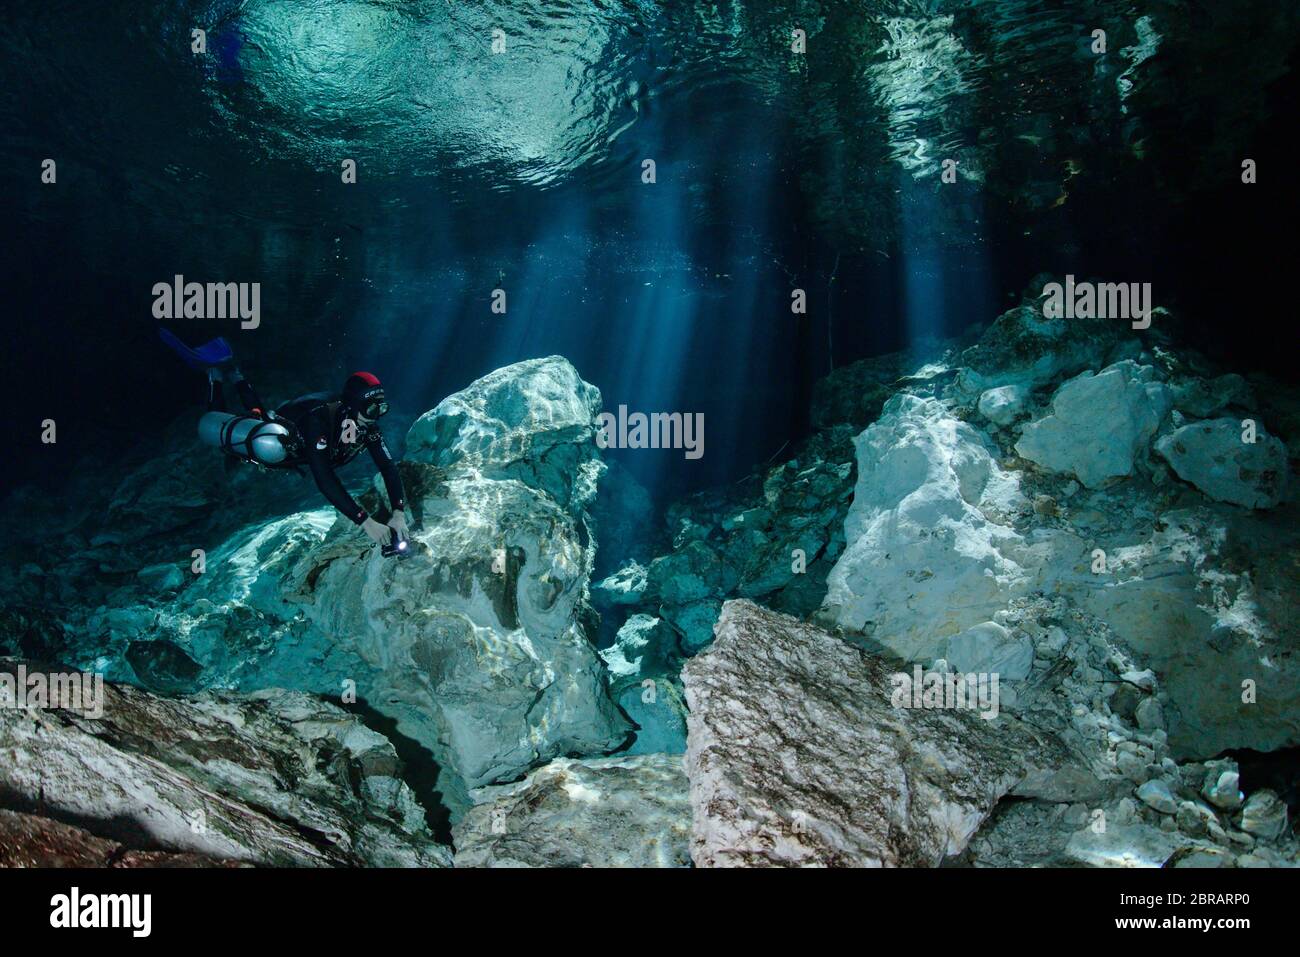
[(247, 437)]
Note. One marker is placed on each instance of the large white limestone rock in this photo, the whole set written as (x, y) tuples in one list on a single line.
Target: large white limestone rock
[(1214, 456), (494, 666), (1098, 423), (478, 643), (798, 757), (930, 550), (1004, 404), (533, 421)]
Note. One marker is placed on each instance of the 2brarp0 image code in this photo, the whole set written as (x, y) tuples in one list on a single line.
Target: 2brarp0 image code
[(450, 436)]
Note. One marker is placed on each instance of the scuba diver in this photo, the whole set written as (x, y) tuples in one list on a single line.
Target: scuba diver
[(321, 430)]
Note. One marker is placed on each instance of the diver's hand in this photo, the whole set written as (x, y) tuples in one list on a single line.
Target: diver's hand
[(380, 533), (398, 523)]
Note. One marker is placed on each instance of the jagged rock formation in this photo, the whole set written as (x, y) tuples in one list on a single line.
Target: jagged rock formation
[(1183, 819), (1023, 347), (644, 663), (274, 778), (1213, 456), (797, 754), (605, 812), (1062, 502), (930, 549), (626, 586), (1139, 621), (1070, 496), (1098, 423), (479, 644)]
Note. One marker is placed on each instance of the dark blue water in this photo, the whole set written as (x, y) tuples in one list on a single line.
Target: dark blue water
[(523, 171)]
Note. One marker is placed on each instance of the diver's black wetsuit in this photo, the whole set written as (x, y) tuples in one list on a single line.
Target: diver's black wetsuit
[(319, 421), (247, 394)]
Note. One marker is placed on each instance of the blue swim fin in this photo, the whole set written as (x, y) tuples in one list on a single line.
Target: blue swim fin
[(202, 357)]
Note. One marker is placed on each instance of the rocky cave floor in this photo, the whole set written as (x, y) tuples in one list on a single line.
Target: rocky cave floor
[(560, 676)]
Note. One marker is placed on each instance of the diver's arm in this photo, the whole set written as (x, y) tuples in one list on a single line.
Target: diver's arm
[(388, 469), (318, 460), (332, 488), (338, 496)]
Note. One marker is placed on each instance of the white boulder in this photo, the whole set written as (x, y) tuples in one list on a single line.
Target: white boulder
[(533, 420), (1264, 815), (1004, 404), (1213, 456), (988, 648), (1098, 423), (927, 553)]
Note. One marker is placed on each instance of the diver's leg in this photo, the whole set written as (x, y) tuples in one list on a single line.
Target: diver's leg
[(247, 394), (216, 397)]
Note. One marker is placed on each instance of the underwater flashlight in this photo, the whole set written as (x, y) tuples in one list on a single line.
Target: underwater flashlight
[(397, 546)]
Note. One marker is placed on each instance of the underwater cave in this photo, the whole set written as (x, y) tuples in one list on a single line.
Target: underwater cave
[(786, 433)]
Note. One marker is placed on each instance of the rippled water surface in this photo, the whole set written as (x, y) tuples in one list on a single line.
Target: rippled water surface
[(494, 96)]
